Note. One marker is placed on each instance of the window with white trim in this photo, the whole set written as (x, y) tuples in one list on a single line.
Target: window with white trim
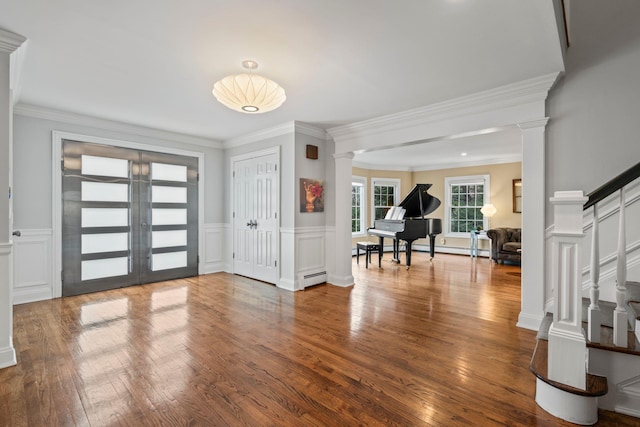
[(464, 197), (384, 196), (358, 206)]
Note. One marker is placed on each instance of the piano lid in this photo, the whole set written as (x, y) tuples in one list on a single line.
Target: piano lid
[(419, 203)]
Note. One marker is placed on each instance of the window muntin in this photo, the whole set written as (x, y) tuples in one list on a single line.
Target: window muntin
[(385, 196), (358, 204), (464, 198)]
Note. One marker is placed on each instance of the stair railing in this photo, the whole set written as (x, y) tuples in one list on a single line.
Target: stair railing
[(620, 317)]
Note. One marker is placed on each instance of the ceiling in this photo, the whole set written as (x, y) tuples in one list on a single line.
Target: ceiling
[(503, 146), (153, 63)]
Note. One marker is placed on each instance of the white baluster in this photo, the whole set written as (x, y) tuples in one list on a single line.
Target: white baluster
[(620, 320), (594, 293)]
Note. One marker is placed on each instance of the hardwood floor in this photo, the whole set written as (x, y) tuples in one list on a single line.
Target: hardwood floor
[(436, 345)]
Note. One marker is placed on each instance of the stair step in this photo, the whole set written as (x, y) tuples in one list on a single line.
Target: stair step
[(633, 291), (596, 385)]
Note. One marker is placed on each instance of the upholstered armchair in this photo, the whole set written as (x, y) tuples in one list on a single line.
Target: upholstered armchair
[(505, 244)]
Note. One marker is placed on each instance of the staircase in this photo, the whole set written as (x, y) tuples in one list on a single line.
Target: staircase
[(579, 372)]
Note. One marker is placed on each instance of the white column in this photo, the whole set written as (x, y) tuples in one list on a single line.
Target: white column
[(567, 344), (533, 224), (342, 276), (9, 42)]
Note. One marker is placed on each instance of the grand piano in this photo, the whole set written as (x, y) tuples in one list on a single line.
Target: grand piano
[(417, 204)]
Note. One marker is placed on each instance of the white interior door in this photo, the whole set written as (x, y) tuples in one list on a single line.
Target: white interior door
[(255, 230)]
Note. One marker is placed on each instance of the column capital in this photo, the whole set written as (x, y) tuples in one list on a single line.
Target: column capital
[(9, 42), (542, 123), (348, 155)]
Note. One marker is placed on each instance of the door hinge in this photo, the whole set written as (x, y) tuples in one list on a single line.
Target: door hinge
[(234, 256), (62, 165), (276, 262), (234, 174), (276, 167), (276, 215), (198, 176), (62, 275), (234, 214)]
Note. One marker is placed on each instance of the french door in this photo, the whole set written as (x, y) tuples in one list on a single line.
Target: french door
[(129, 217), (255, 217)]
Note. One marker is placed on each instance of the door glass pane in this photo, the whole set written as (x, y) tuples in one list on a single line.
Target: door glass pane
[(105, 166), (169, 260), (105, 217), (104, 192), (166, 239), (165, 172), (161, 194), (104, 242), (109, 267), (168, 216)]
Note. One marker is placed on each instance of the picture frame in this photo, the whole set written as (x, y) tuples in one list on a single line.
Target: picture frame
[(517, 195)]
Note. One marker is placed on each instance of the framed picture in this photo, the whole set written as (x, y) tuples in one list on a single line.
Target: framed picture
[(517, 195), (311, 195)]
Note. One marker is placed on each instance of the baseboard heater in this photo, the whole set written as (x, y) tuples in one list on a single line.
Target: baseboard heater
[(314, 278)]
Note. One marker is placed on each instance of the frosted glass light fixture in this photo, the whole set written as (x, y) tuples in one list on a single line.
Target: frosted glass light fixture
[(488, 210), (249, 93)]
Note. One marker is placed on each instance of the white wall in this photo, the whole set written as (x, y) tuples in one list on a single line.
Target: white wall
[(593, 132), (32, 168), (303, 236)]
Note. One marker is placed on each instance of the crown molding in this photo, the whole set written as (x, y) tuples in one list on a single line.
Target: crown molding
[(9, 41), (310, 130), (84, 120), (439, 166), (526, 91), (283, 129), (15, 76), (371, 166)]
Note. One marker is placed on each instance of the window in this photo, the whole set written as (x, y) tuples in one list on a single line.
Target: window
[(358, 195), (385, 196), (464, 197)]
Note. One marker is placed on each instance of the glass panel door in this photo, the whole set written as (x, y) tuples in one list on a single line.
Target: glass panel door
[(169, 208), (129, 217)]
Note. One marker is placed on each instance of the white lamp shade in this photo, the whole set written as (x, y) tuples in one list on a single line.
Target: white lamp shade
[(249, 93), (488, 210)]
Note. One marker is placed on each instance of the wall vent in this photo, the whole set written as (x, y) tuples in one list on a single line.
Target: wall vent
[(314, 278)]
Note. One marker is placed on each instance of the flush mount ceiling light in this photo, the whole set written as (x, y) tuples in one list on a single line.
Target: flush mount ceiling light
[(249, 93)]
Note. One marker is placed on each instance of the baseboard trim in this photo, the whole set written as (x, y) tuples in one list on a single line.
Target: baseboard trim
[(528, 321), (8, 357)]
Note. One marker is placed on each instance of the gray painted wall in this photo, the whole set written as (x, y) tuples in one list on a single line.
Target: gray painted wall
[(32, 169), (593, 132)]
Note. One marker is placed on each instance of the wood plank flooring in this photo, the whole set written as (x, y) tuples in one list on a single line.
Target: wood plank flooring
[(433, 346)]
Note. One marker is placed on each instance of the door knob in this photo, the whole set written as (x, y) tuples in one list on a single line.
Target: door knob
[(17, 233)]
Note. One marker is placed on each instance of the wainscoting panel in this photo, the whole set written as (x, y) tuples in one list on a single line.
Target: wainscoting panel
[(32, 266), (213, 259), (311, 265)]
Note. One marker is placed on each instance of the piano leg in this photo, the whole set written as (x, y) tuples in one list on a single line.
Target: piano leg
[(409, 253), (396, 251), (432, 245), (380, 250)]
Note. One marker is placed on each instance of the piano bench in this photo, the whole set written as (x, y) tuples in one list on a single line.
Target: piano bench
[(367, 247)]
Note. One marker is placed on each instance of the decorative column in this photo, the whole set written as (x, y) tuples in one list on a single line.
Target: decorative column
[(567, 343), (342, 275), (9, 42), (533, 224)]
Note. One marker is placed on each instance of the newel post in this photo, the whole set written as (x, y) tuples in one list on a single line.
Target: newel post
[(567, 343)]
